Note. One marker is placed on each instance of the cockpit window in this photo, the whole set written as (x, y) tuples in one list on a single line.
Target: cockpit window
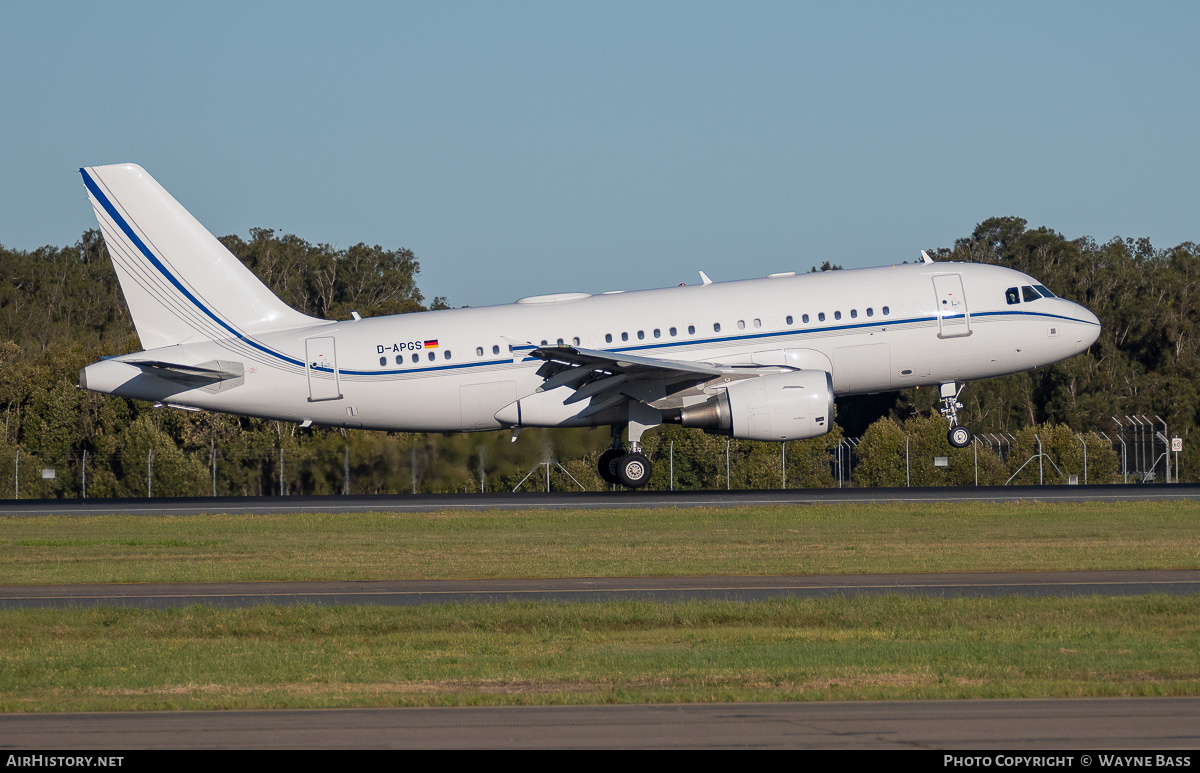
[(1045, 293), (1029, 294), (1012, 296)]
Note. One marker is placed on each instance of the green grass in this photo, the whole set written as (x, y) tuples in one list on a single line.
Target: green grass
[(545, 653), (825, 539)]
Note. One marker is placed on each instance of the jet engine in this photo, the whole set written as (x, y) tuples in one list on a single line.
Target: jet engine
[(793, 405)]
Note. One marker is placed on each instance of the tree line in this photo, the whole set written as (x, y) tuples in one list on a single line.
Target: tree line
[(61, 309)]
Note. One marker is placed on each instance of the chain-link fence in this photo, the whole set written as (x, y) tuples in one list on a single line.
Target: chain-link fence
[(1134, 450)]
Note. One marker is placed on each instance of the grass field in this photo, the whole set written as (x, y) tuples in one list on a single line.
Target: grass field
[(825, 539), (620, 652)]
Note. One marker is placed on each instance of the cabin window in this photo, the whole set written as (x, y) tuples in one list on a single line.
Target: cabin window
[(478, 351), (1045, 292), (1012, 296), (657, 333), (560, 342), (804, 319), (624, 336), (399, 359), (575, 340), (416, 357), (383, 360), (495, 349), (741, 324), (691, 330), (446, 354), (641, 335), (837, 315), (716, 327), (789, 319), (821, 317), (672, 332), (758, 323), (1029, 294), (608, 338), (886, 311), (853, 313), (870, 312), (432, 356)]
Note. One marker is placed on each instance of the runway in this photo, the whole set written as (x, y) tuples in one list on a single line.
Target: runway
[(1078, 724), (592, 589), (589, 500)]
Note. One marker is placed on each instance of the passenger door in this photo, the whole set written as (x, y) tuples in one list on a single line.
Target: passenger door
[(321, 366), (954, 319)]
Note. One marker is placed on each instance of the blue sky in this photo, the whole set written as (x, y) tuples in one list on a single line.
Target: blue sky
[(530, 147)]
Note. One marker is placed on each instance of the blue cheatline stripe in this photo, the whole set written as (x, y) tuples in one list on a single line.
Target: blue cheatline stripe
[(704, 341), (154, 261), (1032, 314), (834, 328)]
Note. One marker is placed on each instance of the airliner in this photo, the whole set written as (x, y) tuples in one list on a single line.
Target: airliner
[(760, 359)]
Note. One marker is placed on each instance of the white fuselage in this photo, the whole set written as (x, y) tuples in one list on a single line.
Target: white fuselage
[(874, 330)]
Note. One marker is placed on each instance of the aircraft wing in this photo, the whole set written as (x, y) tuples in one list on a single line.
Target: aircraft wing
[(615, 362), (610, 377)]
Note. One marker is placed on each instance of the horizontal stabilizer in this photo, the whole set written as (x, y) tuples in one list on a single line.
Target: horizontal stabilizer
[(216, 375), (209, 371)]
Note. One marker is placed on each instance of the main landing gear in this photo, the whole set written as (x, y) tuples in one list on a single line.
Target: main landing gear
[(959, 436), (625, 468)]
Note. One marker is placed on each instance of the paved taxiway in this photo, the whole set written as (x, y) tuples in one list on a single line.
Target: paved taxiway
[(589, 500), (590, 589), (1109, 723)]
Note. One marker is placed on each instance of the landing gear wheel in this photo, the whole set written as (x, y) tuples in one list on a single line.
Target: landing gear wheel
[(633, 470), (608, 465), (959, 436)]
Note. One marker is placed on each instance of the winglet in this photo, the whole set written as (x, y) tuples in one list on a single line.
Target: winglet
[(704, 278)]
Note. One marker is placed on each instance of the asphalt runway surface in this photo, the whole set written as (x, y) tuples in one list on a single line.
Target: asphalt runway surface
[(587, 500), (592, 589), (1082, 724)]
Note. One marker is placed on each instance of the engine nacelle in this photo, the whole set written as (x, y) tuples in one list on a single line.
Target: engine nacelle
[(783, 406)]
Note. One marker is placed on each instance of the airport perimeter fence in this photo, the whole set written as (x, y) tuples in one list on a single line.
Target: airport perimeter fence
[(1135, 450)]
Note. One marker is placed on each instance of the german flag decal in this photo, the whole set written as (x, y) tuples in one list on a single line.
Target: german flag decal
[(431, 344)]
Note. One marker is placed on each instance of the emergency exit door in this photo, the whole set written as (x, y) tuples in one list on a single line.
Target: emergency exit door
[(321, 366)]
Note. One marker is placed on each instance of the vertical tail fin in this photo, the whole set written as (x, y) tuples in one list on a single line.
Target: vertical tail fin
[(180, 283)]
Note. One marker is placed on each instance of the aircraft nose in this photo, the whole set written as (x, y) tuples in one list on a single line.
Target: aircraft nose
[(1091, 327)]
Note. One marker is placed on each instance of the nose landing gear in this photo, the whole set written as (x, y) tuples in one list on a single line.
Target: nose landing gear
[(959, 436)]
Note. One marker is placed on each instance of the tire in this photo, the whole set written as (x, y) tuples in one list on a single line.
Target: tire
[(959, 436), (607, 466), (634, 470)]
